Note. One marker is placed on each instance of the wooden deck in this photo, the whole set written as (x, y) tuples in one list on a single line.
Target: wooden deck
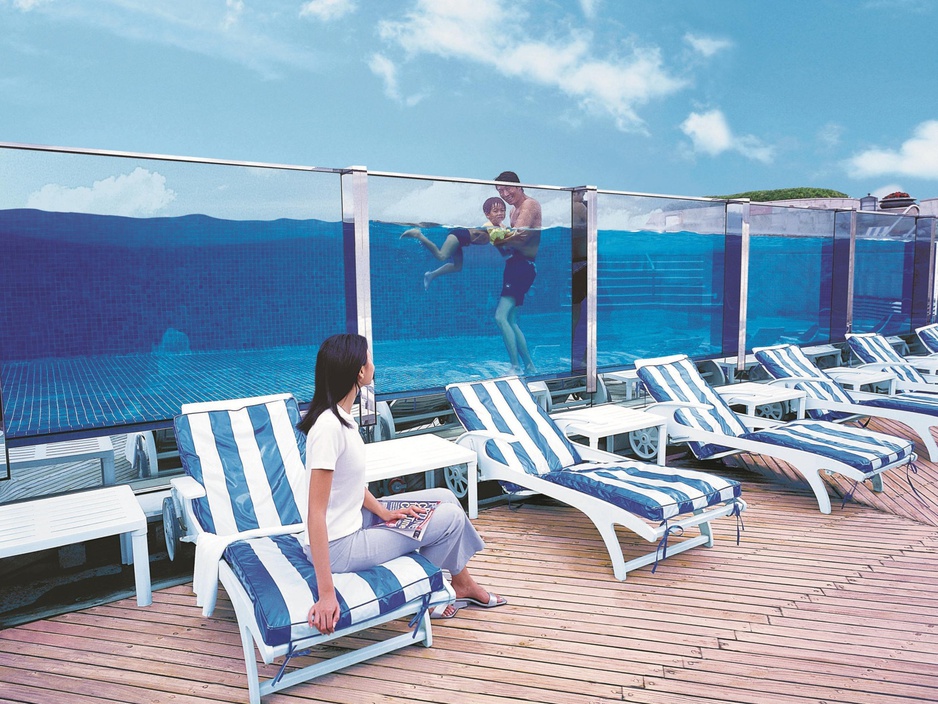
[(807, 609)]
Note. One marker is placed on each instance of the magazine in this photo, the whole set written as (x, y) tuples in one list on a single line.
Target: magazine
[(413, 526)]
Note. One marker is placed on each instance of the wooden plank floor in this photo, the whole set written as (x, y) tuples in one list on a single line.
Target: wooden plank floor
[(806, 609)]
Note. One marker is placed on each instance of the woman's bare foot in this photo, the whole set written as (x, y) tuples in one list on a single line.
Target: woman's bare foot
[(427, 279), (412, 233)]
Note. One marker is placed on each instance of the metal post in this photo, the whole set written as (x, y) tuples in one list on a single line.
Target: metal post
[(851, 260), (358, 270), (590, 199)]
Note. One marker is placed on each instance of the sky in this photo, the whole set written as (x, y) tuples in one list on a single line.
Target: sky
[(684, 97)]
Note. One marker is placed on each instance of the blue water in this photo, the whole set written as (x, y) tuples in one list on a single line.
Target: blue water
[(111, 321)]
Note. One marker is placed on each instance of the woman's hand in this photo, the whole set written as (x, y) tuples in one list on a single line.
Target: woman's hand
[(324, 614), (406, 512)]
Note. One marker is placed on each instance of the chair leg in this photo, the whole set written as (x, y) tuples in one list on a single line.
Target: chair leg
[(608, 533), (812, 475), (707, 531), (250, 664)]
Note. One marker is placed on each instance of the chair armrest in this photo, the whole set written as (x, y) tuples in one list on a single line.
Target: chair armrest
[(188, 488), (669, 408), (475, 439), (789, 382), (882, 366), (758, 422)]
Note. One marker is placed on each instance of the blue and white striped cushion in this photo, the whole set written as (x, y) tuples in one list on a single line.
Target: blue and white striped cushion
[(250, 461), (506, 406), (281, 583), (929, 337), (912, 402), (653, 492), (787, 361), (677, 379), (861, 449), (875, 349)]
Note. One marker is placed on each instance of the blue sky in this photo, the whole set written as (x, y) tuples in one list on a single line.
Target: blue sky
[(680, 97)]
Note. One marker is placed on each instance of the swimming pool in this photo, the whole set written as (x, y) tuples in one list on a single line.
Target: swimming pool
[(222, 281)]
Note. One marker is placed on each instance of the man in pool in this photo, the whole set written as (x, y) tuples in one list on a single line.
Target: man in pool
[(522, 245)]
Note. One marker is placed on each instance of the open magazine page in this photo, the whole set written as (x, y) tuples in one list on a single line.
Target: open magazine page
[(412, 526)]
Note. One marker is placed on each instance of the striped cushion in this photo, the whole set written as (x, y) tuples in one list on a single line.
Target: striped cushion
[(506, 406), (861, 449), (929, 337), (653, 492), (913, 402), (281, 583), (875, 349), (677, 379), (251, 462), (787, 361)]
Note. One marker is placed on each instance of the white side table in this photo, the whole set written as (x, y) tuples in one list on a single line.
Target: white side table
[(608, 420), (855, 378), (419, 453), (752, 395), (729, 365), (51, 522), (99, 448), (827, 352)]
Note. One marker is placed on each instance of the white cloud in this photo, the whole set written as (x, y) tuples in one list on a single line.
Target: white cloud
[(887, 189), (233, 30), (327, 10), (468, 30), (386, 70), (235, 8), (138, 193), (916, 158), (707, 46), (589, 8), (27, 5), (830, 134), (711, 134)]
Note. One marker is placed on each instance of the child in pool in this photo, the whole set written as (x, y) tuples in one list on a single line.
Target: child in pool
[(492, 231)]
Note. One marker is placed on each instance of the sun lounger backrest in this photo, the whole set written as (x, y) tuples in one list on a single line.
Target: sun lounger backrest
[(873, 348), (677, 379), (250, 460), (788, 361), (929, 337), (506, 406)]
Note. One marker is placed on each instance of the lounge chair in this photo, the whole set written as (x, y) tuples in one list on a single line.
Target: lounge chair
[(518, 443), (912, 373), (243, 503), (928, 336), (698, 415), (827, 400)]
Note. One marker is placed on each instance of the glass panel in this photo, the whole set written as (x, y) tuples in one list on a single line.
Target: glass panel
[(4, 452), (882, 290), (133, 286), (790, 276), (438, 310), (660, 278)]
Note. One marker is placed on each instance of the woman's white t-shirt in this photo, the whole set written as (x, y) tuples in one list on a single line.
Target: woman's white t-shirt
[(332, 446)]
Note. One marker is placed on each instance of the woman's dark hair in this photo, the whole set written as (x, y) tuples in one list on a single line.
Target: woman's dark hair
[(340, 359)]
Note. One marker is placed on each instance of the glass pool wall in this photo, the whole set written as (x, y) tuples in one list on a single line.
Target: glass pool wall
[(790, 289), (660, 277), (132, 284)]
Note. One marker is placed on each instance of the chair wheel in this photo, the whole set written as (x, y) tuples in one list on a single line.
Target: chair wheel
[(774, 411), (644, 442), (171, 527), (457, 479)]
